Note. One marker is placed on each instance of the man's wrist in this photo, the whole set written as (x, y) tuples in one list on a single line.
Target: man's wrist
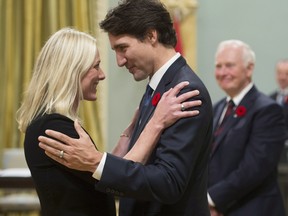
[(210, 201), (97, 174)]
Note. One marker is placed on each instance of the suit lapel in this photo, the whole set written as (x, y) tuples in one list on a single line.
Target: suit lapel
[(230, 122), (217, 113), (217, 116)]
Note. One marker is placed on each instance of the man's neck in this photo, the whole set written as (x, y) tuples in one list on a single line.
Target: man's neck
[(157, 76), (162, 56)]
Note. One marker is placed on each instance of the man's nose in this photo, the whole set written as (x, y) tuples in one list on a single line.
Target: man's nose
[(121, 61)]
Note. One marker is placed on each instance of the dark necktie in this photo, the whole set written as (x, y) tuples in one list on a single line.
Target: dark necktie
[(146, 101), (229, 112), (147, 95)]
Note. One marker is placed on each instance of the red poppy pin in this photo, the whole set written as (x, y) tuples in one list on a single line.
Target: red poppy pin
[(156, 99), (240, 111)]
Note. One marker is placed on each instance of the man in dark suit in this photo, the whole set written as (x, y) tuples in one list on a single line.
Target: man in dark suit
[(174, 180), (247, 143), (281, 96)]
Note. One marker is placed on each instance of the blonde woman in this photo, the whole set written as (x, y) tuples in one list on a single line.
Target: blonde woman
[(67, 71)]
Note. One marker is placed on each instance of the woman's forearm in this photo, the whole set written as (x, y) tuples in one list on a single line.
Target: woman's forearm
[(146, 142)]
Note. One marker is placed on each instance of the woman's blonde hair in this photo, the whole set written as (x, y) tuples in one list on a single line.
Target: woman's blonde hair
[(55, 86)]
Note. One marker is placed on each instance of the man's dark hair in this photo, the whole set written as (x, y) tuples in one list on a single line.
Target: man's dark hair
[(137, 18)]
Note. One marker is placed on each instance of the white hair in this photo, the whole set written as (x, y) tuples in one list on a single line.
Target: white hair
[(248, 54)]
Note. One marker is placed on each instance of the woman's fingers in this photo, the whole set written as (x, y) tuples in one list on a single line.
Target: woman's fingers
[(185, 96)]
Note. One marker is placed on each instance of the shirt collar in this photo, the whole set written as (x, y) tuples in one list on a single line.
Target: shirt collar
[(283, 91), (237, 99), (154, 81)]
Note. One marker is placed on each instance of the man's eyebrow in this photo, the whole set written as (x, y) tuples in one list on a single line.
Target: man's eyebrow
[(113, 47), (119, 46)]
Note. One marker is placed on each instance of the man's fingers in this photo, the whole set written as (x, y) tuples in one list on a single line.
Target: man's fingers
[(53, 148), (51, 142), (58, 136), (55, 154), (56, 158), (79, 129)]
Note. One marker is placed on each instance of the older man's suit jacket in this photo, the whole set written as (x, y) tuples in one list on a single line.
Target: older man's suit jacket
[(174, 182), (243, 165)]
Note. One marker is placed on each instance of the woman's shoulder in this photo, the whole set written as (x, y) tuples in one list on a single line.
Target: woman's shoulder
[(51, 119), (54, 121)]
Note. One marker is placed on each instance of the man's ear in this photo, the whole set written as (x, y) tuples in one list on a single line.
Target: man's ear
[(250, 69), (152, 36)]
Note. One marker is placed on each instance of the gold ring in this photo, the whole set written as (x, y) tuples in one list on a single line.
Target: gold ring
[(182, 107), (61, 154)]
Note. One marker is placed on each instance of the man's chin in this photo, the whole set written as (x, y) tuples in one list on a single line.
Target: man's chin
[(139, 76), (138, 79)]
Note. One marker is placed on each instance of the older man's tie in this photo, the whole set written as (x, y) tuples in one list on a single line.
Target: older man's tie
[(229, 111)]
